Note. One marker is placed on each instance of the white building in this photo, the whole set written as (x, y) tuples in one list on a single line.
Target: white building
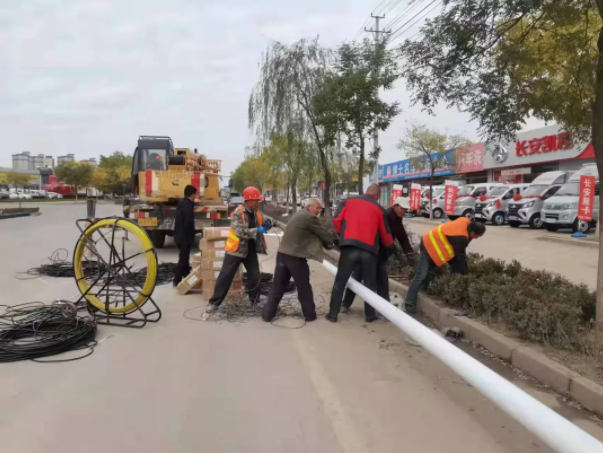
[(67, 158), (92, 161), (25, 161)]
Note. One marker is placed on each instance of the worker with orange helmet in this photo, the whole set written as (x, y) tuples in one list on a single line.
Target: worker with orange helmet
[(245, 241)]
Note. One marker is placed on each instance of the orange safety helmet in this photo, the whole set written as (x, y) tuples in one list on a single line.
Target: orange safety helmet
[(251, 193)]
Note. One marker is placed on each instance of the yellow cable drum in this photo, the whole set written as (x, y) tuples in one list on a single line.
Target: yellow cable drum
[(87, 244)]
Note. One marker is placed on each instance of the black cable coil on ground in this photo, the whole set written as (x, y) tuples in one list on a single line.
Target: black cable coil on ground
[(266, 283), (33, 331)]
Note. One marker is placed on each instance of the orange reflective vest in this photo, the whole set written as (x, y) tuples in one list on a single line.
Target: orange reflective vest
[(233, 241), (436, 241)]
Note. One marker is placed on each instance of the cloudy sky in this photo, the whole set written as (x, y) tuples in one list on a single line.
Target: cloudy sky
[(88, 76)]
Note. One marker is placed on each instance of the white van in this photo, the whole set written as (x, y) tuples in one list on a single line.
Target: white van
[(561, 210), (466, 196), (493, 206), (437, 192), (526, 211)]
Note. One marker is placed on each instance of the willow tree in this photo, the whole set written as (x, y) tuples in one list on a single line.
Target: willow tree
[(281, 101)]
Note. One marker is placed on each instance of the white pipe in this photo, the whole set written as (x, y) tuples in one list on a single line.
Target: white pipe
[(554, 430)]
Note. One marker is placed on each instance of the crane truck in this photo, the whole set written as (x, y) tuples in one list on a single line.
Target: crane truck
[(160, 173)]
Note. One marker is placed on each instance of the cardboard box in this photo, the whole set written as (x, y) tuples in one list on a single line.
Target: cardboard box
[(196, 260), (208, 246), (209, 286), (191, 281), (211, 234), (211, 264), (215, 255), (211, 274)]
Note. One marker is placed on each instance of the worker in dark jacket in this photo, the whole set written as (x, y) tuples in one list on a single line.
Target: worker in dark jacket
[(363, 229), (446, 243), (245, 241), (393, 217), (184, 232), (304, 238)]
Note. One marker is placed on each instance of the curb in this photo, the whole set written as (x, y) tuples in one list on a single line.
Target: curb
[(554, 375), (586, 242)]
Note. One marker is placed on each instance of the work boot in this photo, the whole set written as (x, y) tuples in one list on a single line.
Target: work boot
[(310, 318), (345, 309), (370, 319), (410, 309), (331, 317), (211, 309)]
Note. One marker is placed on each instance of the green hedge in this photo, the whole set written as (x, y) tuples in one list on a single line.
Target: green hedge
[(537, 305)]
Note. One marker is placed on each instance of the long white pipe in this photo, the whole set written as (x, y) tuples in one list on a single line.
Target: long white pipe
[(554, 430)]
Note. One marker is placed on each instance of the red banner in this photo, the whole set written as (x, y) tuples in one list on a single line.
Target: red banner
[(396, 193), (470, 158), (587, 197), (450, 198), (415, 197)]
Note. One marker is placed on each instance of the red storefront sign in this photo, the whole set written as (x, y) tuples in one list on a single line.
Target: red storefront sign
[(415, 197), (450, 194), (470, 158), (395, 194), (587, 197), (559, 142)]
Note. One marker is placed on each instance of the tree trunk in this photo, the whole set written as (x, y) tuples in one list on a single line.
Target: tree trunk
[(294, 194), (431, 195), (76, 194), (597, 140), (361, 167)]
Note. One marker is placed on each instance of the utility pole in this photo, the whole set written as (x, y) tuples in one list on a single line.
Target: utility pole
[(377, 32)]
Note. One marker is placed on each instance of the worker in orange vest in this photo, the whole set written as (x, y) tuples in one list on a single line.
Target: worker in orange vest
[(245, 241), (446, 243)]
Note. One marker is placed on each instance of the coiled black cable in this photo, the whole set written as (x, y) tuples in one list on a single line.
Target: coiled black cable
[(34, 331)]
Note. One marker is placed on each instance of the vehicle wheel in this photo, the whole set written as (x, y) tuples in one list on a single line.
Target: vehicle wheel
[(438, 213), (498, 219), (581, 226), (158, 238), (514, 224), (550, 227), (468, 213), (535, 222)]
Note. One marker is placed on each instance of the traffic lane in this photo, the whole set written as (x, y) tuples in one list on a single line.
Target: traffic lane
[(576, 263)]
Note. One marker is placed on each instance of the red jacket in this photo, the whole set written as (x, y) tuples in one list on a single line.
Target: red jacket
[(361, 223)]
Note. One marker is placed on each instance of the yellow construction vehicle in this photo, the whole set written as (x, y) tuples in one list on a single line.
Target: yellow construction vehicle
[(160, 173)]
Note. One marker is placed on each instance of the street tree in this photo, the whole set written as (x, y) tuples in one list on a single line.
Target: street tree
[(76, 174), (281, 101), (348, 98), (253, 171), (113, 174), (504, 61), (427, 150)]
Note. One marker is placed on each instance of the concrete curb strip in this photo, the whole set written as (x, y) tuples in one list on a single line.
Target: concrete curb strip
[(558, 377)]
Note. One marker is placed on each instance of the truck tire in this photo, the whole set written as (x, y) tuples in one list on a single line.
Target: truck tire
[(535, 222), (438, 213), (158, 238), (550, 227), (468, 213), (581, 226), (498, 219), (514, 224)]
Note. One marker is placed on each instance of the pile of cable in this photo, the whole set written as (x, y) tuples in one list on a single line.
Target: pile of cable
[(35, 330), (266, 283)]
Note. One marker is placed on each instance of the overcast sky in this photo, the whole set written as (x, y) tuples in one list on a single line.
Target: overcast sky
[(89, 76)]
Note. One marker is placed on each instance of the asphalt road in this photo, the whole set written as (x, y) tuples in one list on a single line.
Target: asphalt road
[(534, 249), (190, 386)]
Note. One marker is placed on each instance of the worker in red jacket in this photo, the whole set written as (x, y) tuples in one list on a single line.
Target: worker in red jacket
[(363, 228)]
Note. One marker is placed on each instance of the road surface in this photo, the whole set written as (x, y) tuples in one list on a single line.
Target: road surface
[(191, 386)]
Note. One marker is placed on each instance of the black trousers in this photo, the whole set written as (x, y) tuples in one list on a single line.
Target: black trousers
[(382, 282), (288, 266), (183, 268), (229, 270), (350, 259)]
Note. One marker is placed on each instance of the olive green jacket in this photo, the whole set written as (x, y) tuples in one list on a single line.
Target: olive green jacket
[(305, 237)]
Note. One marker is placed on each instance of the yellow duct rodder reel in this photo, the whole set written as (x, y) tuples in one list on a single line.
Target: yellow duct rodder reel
[(109, 261)]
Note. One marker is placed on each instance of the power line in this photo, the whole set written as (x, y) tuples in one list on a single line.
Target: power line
[(391, 5), (411, 6), (399, 32), (377, 7)]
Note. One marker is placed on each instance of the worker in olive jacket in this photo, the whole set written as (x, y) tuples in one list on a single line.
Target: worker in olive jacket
[(304, 238)]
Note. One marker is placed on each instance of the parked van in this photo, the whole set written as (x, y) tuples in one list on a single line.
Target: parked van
[(493, 206), (466, 197), (526, 210), (561, 210), (437, 192)]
